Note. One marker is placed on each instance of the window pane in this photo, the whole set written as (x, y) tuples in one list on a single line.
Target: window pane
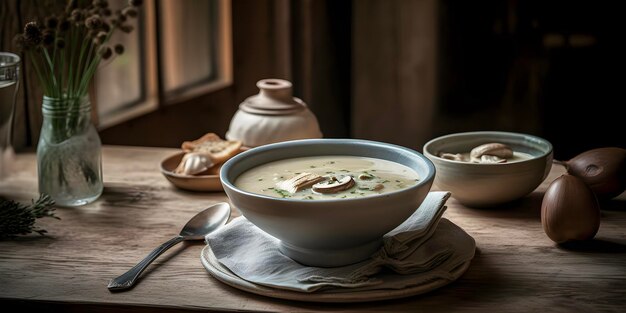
[(187, 34), (119, 82)]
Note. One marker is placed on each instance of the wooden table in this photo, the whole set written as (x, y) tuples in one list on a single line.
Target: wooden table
[(516, 268)]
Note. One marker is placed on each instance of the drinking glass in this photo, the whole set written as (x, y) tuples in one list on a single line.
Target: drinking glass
[(9, 83)]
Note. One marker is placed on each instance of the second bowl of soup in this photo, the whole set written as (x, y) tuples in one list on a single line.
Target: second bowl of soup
[(329, 201), (493, 181)]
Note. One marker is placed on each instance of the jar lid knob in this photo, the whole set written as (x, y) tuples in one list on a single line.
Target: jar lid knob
[(278, 89), (275, 98)]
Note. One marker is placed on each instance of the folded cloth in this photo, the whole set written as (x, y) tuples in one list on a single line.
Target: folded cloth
[(423, 248)]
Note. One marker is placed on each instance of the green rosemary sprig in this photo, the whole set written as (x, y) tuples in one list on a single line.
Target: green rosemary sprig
[(19, 219)]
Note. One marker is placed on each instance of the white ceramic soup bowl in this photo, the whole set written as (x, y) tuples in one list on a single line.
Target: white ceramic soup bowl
[(488, 185), (334, 232)]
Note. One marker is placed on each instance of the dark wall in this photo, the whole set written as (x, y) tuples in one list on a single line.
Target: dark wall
[(550, 68)]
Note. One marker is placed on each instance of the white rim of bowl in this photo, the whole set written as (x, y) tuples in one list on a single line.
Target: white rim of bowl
[(537, 138)]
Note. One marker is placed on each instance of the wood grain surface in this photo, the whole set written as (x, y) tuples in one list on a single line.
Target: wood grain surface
[(516, 268)]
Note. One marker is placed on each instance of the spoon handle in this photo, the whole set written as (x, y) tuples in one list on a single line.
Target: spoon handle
[(127, 280)]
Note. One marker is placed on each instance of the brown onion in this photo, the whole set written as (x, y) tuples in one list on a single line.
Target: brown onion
[(602, 169), (570, 210)]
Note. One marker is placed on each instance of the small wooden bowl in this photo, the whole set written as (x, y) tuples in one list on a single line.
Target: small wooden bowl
[(202, 182), (208, 180)]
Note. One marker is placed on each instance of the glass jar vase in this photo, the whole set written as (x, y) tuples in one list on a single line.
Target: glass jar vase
[(69, 162)]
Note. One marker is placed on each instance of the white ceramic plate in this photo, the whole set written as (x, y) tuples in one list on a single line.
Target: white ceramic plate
[(224, 275)]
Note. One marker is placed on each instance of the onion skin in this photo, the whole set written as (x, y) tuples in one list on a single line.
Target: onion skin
[(602, 169), (570, 210)]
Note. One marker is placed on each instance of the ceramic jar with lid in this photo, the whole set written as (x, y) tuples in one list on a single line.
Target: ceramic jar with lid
[(273, 115)]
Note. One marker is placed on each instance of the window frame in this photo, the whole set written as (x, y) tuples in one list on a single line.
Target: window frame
[(153, 94)]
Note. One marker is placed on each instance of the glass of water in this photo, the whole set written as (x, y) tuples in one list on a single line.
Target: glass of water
[(9, 82)]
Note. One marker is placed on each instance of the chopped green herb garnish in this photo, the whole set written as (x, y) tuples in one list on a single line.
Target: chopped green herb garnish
[(384, 181), (271, 188), (312, 166), (397, 181), (332, 162), (260, 179), (282, 193), (344, 196)]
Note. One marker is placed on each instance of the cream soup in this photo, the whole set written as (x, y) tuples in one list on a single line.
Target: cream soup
[(369, 176)]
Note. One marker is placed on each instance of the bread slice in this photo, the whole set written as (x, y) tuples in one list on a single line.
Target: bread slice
[(220, 150)]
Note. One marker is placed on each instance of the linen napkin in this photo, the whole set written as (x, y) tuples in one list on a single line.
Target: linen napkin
[(423, 248)]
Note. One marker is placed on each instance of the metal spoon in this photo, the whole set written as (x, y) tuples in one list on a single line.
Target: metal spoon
[(198, 226)]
